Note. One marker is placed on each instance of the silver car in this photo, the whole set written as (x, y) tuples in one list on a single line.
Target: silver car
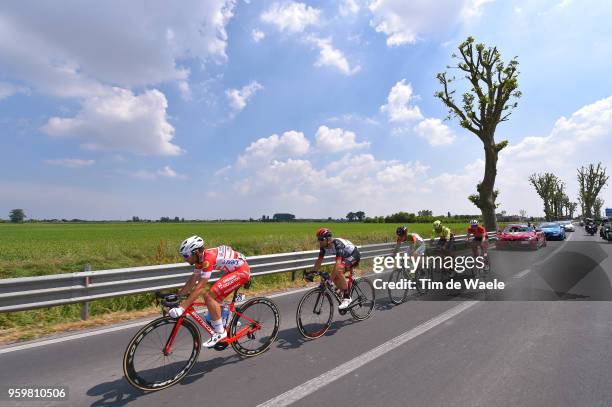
[(567, 225)]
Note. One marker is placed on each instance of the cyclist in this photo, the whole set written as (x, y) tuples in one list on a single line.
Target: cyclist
[(235, 273), (417, 242), (347, 258), (480, 238), (444, 235)]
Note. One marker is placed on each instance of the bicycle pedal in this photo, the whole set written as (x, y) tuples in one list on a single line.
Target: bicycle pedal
[(221, 345)]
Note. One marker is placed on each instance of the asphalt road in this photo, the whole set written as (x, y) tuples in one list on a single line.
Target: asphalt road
[(542, 341)]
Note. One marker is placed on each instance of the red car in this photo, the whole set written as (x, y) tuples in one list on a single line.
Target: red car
[(520, 236)]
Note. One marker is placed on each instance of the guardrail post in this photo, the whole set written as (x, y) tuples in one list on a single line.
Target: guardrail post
[(85, 305), (293, 275)]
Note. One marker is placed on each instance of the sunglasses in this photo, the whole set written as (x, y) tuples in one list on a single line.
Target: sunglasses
[(321, 239)]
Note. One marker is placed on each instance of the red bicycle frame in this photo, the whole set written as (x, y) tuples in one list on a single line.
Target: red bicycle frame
[(248, 329)]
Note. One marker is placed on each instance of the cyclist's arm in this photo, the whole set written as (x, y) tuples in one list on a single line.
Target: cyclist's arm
[(193, 280), (318, 263), (195, 293), (398, 244)]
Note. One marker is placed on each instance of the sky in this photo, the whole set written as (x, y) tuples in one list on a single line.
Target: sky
[(236, 109)]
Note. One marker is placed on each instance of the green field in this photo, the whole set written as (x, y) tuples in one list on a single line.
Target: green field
[(33, 249)]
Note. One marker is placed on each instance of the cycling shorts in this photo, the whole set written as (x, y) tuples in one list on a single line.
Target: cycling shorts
[(230, 282), (352, 260)]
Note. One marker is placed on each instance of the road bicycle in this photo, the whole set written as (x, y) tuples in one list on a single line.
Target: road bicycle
[(480, 272), (399, 295), (166, 349), (316, 308)]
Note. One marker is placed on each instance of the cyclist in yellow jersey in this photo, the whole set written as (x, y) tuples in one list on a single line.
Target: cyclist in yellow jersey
[(444, 235)]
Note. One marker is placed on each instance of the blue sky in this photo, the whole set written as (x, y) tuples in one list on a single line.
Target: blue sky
[(234, 109)]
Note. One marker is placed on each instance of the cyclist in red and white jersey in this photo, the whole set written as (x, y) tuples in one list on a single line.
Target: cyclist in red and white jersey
[(417, 242), (347, 258), (235, 273), (480, 237)]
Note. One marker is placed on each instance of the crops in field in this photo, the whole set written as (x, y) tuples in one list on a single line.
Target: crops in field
[(38, 249)]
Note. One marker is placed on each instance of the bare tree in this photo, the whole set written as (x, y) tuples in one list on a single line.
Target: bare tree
[(488, 102), (591, 181)]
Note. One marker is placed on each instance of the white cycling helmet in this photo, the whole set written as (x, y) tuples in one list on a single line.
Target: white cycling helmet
[(190, 244), (474, 222)]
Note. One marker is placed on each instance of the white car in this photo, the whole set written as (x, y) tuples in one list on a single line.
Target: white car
[(567, 225)]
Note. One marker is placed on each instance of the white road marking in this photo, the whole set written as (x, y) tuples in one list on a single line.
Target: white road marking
[(522, 273), (71, 337), (312, 385)]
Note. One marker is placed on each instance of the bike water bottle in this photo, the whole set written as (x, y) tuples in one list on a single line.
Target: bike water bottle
[(224, 313)]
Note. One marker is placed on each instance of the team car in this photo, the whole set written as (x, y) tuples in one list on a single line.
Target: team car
[(567, 225), (520, 236), (552, 230)]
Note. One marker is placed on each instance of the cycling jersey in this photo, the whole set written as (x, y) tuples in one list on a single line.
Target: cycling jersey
[(339, 247), (418, 244), (221, 258), (479, 232), (444, 233)]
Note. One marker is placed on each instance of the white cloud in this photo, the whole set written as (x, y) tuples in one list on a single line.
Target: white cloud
[(398, 108), (330, 56), (587, 124), (337, 140), (238, 98), (435, 132), (290, 144), (185, 90), (8, 90), (127, 44), (120, 121), (165, 172), (348, 7), (291, 17), (404, 22), (70, 162), (257, 35)]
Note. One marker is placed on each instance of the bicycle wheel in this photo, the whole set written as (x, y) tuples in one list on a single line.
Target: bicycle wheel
[(314, 313), (397, 295), (423, 274), (256, 322), (147, 367), (362, 293)]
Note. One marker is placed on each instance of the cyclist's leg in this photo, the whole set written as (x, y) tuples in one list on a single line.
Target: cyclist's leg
[(221, 289), (337, 276)]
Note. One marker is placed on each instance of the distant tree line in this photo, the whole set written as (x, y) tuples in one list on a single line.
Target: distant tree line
[(423, 216)]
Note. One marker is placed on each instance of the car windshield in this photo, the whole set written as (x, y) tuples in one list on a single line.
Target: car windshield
[(517, 228), (549, 225), (565, 222)]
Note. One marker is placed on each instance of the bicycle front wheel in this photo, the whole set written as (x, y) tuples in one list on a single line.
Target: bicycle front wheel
[(363, 295), (423, 277), (397, 295), (145, 364), (314, 313), (255, 326)]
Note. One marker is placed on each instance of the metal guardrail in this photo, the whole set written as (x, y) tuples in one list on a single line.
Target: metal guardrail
[(19, 294)]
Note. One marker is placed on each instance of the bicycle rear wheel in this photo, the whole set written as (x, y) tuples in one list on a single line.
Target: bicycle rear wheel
[(256, 322), (397, 295), (362, 293), (145, 364), (314, 313)]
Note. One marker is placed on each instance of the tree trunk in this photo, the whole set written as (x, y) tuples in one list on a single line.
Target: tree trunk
[(487, 186)]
